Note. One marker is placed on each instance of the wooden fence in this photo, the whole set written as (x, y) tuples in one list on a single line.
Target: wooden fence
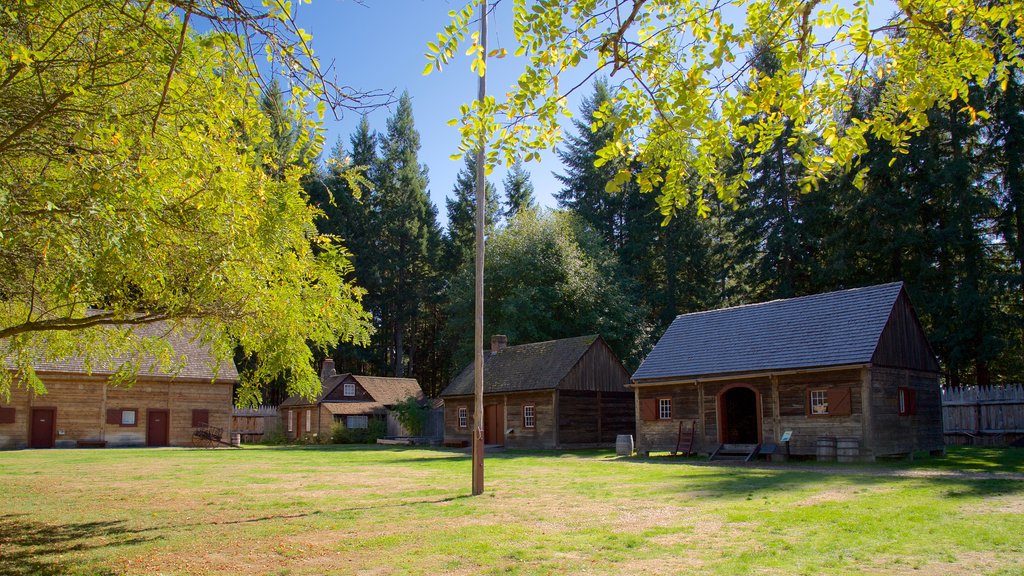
[(991, 415), (252, 423)]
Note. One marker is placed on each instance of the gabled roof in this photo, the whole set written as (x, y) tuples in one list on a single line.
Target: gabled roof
[(192, 359), (832, 329), (537, 366), (383, 390)]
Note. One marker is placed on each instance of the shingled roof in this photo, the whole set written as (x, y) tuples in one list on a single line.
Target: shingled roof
[(537, 366), (832, 329), (384, 390), (192, 359)]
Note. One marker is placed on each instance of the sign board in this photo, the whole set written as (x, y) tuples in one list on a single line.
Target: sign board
[(786, 436)]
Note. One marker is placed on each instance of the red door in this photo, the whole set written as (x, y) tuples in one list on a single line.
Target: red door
[(298, 423), (158, 427), (494, 424), (44, 428)]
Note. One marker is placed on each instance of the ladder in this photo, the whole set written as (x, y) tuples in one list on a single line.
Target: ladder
[(684, 442)]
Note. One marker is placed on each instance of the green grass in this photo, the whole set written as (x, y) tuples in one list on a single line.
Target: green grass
[(347, 510)]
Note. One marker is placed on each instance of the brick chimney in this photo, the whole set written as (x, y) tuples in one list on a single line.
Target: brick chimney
[(327, 369), (498, 343)]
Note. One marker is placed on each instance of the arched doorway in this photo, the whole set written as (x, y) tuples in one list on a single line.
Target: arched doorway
[(738, 418)]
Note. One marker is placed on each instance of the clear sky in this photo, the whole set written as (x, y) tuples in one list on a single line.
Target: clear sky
[(379, 44)]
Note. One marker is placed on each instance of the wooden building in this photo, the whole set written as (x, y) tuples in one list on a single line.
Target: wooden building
[(161, 408), (348, 400), (853, 365), (557, 394)]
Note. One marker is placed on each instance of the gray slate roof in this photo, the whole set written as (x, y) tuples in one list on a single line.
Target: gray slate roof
[(537, 366), (832, 329), (192, 358)]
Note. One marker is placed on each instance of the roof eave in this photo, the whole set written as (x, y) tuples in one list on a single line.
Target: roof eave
[(695, 378)]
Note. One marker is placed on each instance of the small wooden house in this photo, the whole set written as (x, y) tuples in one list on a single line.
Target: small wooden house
[(556, 394), (853, 365), (161, 408), (347, 400)]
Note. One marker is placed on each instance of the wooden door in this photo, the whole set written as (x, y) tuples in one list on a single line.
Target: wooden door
[(494, 424), (44, 428), (158, 427), (298, 423)]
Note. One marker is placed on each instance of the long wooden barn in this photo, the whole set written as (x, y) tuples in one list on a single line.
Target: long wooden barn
[(852, 365), (557, 394)]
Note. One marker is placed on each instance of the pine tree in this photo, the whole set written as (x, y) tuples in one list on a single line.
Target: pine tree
[(518, 191), (461, 206), (407, 234)]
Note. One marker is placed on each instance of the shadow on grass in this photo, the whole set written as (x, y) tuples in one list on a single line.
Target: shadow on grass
[(28, 547)]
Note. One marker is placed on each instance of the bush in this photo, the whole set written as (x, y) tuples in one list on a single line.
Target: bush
[(412, 415), (342, 435), (274, 436)]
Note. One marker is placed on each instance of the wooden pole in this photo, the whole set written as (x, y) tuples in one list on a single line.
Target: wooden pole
[(478, 333)]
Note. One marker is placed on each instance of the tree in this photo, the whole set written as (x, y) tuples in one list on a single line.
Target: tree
[(518, 191), (133, 192), (550, 277), (408, 238), (462, 216), (680, 66)]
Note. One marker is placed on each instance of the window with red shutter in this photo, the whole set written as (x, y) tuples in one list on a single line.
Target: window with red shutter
[(907, 401), (6, 415), (649, 409), (200, 417), (840, 402), (114, 416)]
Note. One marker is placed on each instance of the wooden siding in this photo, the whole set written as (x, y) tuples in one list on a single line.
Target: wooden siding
[(597, 369), (903, 343), (895, 434), (593, 418), (991, 415), (541, 436), (338, 394), (794, 410), (82, 403)]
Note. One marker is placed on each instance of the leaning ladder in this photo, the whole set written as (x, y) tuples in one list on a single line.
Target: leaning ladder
[(684, 442)]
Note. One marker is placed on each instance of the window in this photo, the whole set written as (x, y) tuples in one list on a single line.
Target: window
[(528, 418), (291, 420), (908, 401), (819, 402), (309, 420), (463, 417), (664, 408), (350, 389), (127, 417), (358, 422)]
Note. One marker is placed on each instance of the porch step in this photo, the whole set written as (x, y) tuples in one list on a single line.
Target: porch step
[(737, 452)]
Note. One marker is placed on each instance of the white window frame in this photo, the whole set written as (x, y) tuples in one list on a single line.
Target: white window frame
[(355, 419), (291, 420), (463, 417), (309, 420), (529, 416), (349, 389), (819, 402), (129, 417), (664, 408)]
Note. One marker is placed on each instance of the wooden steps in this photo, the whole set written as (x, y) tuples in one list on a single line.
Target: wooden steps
[(736, 452)]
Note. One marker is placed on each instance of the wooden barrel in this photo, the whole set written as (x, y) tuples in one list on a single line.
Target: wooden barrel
[(624, 444), (236, 439), (847, 449), (826, 448)]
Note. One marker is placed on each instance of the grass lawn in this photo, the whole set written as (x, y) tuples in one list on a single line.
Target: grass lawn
[(368, 510)]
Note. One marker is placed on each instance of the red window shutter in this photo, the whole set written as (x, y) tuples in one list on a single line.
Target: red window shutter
[(840, 402), (114, 416), (649, 409), (6, 415), (200, 418), (911, 401)]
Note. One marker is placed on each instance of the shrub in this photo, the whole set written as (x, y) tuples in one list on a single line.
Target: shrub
[(412, 415), (342, 435)]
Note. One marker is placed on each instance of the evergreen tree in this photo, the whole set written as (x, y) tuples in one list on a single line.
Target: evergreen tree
[(518, 191), (462, 216), (407, 235)]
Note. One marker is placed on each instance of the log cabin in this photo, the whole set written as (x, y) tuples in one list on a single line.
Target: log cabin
[(568, 393), (348, 400), (162, 407), (853, 365)]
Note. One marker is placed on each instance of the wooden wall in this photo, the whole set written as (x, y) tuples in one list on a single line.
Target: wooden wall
[(903, 343), (598, 369), (82, 401), (542, 436), (593, 418), (794, 411), (992, 415), (895, 434)]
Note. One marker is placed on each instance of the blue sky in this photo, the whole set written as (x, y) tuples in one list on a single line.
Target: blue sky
[(380, 45)]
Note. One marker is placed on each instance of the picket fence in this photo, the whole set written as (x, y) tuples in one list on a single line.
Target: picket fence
[(991, 415)]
